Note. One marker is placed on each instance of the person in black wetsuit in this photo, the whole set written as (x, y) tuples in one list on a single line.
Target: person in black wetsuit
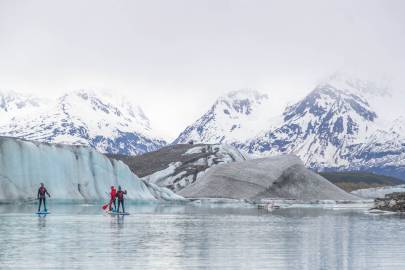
[(41, 197), (120, 196)]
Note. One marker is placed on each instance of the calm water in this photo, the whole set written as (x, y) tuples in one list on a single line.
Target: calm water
[(191, 237)]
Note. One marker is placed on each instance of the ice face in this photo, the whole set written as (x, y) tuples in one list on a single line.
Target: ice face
[(380, 192), (68, 172)]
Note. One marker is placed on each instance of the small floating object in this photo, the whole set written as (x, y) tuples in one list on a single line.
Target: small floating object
[(268, 206)]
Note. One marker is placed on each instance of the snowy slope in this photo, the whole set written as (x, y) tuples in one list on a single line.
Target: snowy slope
[(232, 118), (72, 173), (382, 152), (341, 125), (12, 102), (108, 124), (336, 127), (319, 128)]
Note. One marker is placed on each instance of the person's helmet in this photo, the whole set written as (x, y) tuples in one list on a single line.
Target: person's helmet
[(112, 187), (42, 184), (119, 187)]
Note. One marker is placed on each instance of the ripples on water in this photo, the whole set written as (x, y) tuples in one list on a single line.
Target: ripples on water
[(191, 237)]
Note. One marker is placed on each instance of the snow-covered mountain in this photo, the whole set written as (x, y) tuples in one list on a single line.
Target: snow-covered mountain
[(231, 119), (108, 124), (337, 126), (319, 128), (12, 103)]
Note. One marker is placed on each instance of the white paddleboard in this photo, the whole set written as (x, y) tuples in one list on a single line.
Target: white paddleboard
[(43, 213), (118, 213)]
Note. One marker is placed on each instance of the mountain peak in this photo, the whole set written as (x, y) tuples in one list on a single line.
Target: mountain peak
[(242, 101), (353, 84), (233, 117), (245, 93), (11, 101)]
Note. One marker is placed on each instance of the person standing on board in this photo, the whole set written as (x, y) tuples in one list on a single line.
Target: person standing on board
[(113, 195), (41, 197), (120, 197)]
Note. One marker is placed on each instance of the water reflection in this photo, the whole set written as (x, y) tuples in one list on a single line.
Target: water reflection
[(186, 237), (41, 221)]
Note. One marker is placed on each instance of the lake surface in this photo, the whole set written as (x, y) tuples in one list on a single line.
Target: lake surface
[(200, 237)]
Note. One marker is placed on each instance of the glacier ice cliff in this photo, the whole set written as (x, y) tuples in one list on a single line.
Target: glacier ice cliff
[(73, 173)]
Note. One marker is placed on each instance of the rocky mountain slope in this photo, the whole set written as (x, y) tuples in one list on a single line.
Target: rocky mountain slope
[(177, 166), (105, 123)]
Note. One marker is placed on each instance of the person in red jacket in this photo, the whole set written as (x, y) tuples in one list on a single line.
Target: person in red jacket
[(120, 197), (113, 195), (41, 197)]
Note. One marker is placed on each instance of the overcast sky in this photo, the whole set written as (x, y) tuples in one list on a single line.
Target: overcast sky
[(174, 58)]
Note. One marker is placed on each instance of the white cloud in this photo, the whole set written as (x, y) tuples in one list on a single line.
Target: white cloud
[(176, 57)]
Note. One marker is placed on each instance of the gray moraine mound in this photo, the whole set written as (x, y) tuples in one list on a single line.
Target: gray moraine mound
[(276, 177)]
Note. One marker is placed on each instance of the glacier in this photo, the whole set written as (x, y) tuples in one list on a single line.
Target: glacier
[(72, 173)]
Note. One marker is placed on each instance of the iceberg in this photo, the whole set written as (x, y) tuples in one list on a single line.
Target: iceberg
[(74, 173)]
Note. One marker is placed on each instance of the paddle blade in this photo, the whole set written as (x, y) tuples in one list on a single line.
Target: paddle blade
[(105, 206)]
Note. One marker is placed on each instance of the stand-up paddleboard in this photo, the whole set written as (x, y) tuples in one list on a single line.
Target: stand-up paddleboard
[(118, 213), (43, 213)]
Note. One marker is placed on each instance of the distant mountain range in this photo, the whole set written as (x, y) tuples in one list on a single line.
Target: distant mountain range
[(341, 125), (336, 127), (108, 124)]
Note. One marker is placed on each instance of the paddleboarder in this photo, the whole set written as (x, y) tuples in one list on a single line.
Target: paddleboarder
[(113, 195), (41, 197), (120, 197)]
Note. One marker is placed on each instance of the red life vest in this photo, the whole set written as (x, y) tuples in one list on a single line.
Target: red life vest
[(113, 193), (42, 191), (120, 195)]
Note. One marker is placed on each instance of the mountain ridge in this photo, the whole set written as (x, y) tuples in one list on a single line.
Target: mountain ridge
[(336, 127), (83, 117)]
